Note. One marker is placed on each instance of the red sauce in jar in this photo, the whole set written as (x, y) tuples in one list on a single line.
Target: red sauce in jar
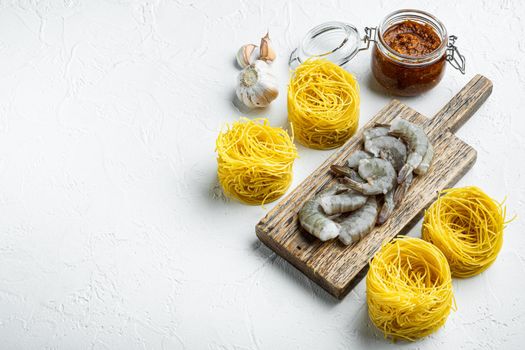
[(411, 38), (414, 40)]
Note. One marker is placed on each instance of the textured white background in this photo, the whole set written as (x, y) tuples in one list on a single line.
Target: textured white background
[(108, 237)]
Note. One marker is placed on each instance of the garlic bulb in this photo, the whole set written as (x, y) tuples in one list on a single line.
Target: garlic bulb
[(257, 85), (267, 53), (247, 55)]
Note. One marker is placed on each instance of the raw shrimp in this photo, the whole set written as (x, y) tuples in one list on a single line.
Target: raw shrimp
[(359, 223), (353, 160), (343, 202), (389, 148), (388, 207), (402, 189), (315, 221), (376, 131), (346, 171), (379, 174), (422, 168), (417, 142)]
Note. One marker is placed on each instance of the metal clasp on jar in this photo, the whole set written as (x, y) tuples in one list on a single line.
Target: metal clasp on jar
[(370, 36), (454, 57)]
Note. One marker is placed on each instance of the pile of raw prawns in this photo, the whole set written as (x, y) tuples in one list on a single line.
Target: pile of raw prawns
[(381, 173)]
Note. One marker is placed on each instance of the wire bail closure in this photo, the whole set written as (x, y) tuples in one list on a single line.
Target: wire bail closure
[(370, 36), (454, 57)]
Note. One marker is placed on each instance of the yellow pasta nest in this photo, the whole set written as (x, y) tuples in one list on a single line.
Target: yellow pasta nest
[(409, 289), (323, 104), (467, 226), (255, 161)]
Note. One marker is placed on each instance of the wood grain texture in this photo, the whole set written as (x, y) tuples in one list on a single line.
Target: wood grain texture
[(336, 267), (463, 105)]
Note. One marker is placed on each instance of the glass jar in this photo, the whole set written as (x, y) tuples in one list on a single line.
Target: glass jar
[(408, 75), (399, 74)]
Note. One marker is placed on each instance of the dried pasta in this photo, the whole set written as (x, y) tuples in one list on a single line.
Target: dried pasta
[(467, 226), (409, 289), (323, 104), (255, 161)]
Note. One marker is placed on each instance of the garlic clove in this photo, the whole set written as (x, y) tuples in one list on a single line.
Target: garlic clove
[(247, 55), (267, 51)]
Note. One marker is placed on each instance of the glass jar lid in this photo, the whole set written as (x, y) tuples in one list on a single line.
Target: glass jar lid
[(335, 41)]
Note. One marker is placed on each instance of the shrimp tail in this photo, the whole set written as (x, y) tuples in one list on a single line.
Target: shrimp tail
[(384, 214), (387, 209), (341, 170), (405, 171), (402, 189), (353, 184), (346, 172)]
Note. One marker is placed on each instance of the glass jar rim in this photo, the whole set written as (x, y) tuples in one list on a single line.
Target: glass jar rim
[(418, 16)]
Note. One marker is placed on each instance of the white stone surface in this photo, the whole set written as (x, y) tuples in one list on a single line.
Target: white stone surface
[(108, 238)]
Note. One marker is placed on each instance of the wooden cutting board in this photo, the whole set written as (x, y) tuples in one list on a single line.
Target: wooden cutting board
[(336, 267)]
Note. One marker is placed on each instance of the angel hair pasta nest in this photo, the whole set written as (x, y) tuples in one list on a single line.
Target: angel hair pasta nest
[(467, 226), (409, 289), (255, 161), (323, 104)]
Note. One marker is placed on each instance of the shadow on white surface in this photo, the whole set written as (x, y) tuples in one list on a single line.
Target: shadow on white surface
[(304, 284), (363, 328), (373, 86)]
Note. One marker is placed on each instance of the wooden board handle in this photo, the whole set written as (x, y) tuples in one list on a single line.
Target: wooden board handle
[(462, 106)]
